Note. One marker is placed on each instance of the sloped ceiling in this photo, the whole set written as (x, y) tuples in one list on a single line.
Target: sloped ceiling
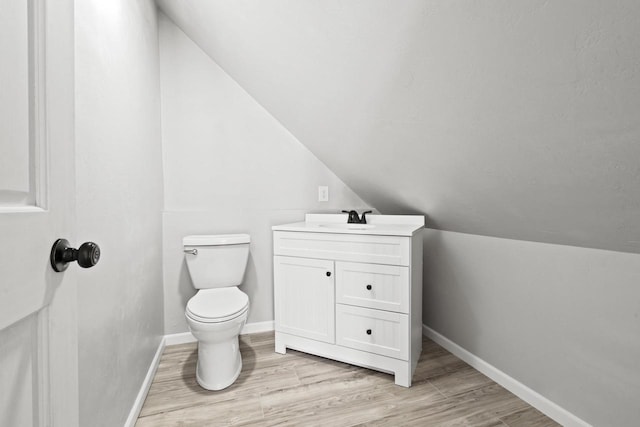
[(516, 119)]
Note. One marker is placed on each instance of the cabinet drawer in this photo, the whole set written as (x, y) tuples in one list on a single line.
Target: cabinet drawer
[(384, 287), (375, 331), (394, 250)]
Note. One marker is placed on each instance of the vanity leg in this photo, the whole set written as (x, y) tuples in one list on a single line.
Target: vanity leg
[(280, 346), (403, 378)]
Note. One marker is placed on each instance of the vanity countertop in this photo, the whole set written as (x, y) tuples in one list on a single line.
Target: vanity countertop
[(384, 225)]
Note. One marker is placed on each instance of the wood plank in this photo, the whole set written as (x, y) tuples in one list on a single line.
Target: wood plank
[(529, 417)]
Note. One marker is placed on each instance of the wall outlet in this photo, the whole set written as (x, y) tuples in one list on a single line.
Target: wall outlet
[(323, 193)]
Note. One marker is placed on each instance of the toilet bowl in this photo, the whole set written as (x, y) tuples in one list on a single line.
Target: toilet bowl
[(218, 311)]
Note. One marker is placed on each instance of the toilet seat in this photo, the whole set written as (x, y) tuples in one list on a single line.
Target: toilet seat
[(217, 305)]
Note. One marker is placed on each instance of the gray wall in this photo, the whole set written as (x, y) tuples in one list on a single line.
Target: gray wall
[(119, 202), (514, 119), (230, 167), (562, 320)]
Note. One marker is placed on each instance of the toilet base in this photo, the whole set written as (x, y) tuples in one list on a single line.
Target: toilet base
[(219, 364), (219, 359), (220, 383)]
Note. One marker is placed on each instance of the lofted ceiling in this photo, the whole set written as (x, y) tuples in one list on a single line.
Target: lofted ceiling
[(515, 119)]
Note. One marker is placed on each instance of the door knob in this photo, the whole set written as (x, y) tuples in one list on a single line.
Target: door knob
[(87, 255)]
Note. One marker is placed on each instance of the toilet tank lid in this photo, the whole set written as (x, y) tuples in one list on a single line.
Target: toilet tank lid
[(217, 239)]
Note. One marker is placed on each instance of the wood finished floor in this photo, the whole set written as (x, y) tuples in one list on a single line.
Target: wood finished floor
[(298, 389)]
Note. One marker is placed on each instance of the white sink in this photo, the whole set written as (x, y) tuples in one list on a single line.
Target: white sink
[(348, 226)]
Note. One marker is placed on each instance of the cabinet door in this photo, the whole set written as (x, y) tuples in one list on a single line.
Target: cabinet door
[(304, 297)]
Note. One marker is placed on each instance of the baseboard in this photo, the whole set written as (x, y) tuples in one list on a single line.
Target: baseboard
[(530, 396), (256, 327), (181, 338), (249, 328), (146, 385)]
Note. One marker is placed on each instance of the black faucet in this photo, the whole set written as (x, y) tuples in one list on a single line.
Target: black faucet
[(355, 219)]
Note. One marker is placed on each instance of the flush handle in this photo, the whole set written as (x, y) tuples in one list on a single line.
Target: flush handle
[(191, 251), (87, 255)]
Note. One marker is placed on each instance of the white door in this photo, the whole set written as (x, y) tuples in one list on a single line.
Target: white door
[(304, 297), (38, 331)]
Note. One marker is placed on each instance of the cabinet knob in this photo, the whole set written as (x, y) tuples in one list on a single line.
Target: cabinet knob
[(328, 274), (368, 331), (368, 287)]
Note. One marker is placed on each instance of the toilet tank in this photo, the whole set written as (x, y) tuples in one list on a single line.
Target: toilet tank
[(216, 261)]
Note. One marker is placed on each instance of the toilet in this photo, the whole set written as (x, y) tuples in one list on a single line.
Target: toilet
[(218, 311)]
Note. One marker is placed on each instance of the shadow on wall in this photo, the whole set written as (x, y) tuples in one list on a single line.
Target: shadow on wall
[(185, 285), (446, 292), (250, 280), (16, 367)]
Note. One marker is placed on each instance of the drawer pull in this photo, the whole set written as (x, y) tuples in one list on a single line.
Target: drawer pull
[(328, 274), (368, 331), (368, 287)]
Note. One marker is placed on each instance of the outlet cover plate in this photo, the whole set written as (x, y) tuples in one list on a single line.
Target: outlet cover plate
[(323, 193)]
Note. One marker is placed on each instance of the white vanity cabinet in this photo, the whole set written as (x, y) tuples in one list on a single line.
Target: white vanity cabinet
[(351, 293)]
